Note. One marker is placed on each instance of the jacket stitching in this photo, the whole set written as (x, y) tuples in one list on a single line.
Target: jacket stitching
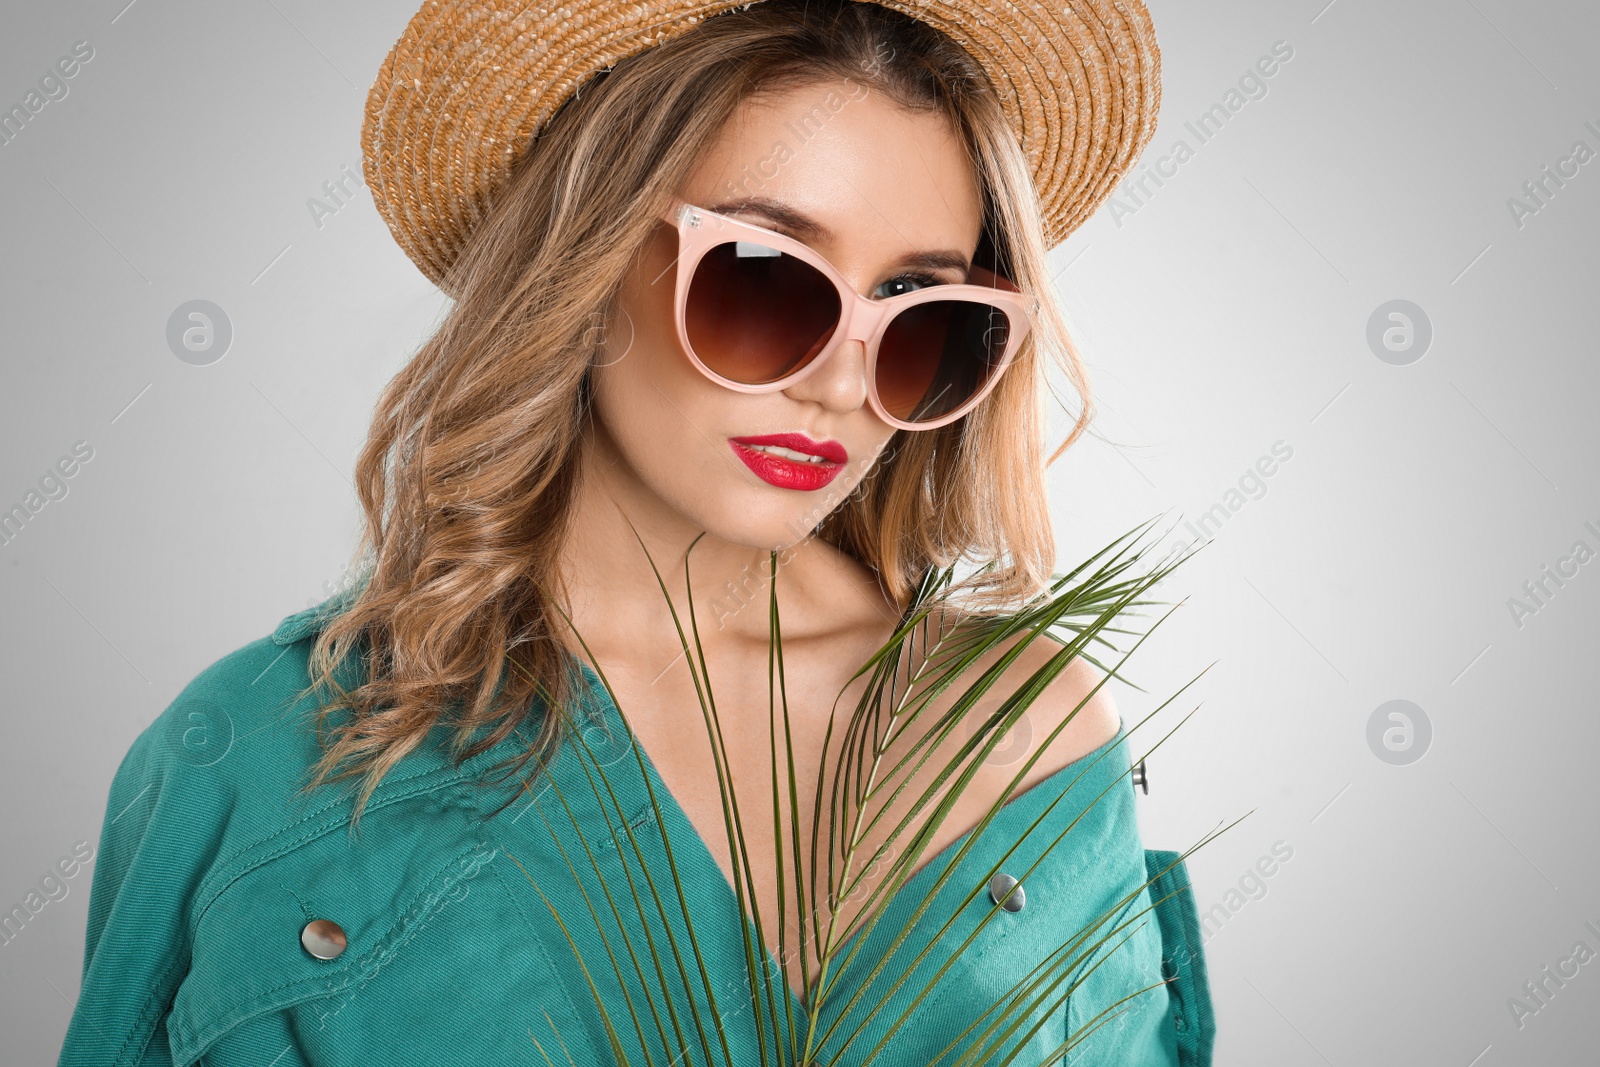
[(237, 865), (394, 790), (150, 1012)]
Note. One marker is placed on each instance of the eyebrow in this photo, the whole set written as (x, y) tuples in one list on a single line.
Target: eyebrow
[(804, 228)]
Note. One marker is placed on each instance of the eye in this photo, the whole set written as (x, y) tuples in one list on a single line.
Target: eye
[(907, 283)]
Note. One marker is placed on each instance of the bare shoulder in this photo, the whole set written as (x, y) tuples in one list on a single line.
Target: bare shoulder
[(1073, 716), (1080, 682)]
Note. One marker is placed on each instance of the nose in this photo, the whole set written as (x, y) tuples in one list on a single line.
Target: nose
[(840, 383)]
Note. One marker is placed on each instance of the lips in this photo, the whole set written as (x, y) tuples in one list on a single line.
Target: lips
[(787, 472), (831, 451)]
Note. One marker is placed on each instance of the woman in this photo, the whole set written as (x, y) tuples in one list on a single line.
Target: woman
[(755, 327)]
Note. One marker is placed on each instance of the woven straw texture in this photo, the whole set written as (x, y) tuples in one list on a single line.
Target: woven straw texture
[(469, 82)]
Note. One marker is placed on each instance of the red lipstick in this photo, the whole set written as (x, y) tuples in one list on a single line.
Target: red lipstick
[(788, 472)]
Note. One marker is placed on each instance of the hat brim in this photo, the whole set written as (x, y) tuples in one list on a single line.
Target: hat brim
[(467, 85)]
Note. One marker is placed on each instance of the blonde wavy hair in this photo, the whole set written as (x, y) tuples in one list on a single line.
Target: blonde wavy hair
[(471, 465)]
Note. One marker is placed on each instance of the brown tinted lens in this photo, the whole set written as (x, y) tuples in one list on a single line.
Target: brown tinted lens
[(755, 314), (936, 356)]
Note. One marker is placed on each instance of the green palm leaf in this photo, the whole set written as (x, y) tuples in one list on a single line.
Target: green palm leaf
[(926, 657)]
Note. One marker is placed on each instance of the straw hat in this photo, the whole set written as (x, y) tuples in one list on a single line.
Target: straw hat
[(469, 82)]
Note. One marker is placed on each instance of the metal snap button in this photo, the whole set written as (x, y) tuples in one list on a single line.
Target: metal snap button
[(1001, 891), (323, 938), (1139, 778)]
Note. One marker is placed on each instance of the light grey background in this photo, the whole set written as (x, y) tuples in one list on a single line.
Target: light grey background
[(1225, 312)]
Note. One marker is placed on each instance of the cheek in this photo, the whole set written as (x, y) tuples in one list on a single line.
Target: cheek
[(644, 309), (665, 417), (640, 373)]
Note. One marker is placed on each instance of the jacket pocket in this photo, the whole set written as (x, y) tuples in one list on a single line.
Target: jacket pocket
[(1183, 962), (1117, 1010), (369, 899)]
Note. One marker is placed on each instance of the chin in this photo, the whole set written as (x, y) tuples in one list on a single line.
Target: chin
[(751, 519), (745, 511), (771, 535)]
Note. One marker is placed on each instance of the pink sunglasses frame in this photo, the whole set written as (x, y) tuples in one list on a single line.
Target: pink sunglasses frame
[(861, 318)]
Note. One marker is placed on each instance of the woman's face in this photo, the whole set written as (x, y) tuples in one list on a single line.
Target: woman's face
[(863, 183)]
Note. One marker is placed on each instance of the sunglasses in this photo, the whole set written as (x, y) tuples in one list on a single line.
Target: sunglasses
[(758, 311)]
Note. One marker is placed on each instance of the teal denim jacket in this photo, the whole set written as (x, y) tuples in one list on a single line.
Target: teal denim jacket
[(214, 881)]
